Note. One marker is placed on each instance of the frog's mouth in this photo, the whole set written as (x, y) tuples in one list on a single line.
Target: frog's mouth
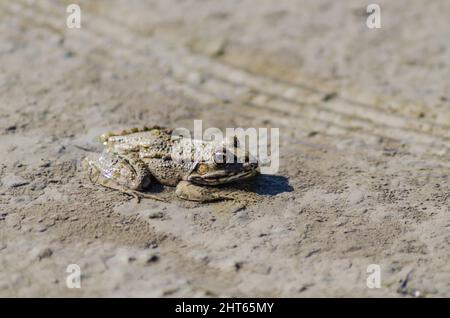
[(228, 174)]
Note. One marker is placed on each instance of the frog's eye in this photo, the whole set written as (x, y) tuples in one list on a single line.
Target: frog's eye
[(202, 169), (220, 157)]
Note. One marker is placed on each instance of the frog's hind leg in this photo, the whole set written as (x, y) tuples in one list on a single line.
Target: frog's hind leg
[(108, 183), (127, 175)]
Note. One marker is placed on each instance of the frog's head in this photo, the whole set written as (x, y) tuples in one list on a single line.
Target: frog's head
[(227, 164)]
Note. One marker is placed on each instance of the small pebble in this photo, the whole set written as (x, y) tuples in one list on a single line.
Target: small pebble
[(152, 259), (215, 47), (13, 181), (11, 128), (195, 78), (45, 254), (41, 228), (156, 215), (45, 164)]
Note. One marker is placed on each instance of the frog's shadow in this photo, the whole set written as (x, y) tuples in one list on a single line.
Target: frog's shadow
[(266, 184), (263, 184)]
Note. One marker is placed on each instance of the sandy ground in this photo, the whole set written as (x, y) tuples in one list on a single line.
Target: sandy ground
[(364, 119)]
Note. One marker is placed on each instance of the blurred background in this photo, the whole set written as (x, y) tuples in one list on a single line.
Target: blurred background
[(364, 118)]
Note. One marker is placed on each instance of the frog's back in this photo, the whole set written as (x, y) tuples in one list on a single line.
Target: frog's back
[(152, 142)]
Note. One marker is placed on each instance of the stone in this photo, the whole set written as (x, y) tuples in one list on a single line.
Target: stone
[(13, 181)]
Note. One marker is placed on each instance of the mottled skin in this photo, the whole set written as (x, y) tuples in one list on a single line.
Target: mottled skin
[(132, 159)]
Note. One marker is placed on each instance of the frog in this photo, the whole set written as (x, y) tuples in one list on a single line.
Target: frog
[(134, 159)]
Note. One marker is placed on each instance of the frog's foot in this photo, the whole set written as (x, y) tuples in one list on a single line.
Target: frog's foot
[(104, 137), (127, 175), (189, 191)]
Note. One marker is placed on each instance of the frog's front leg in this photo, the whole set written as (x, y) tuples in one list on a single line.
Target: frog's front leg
[(189, 191), (126, 174)]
